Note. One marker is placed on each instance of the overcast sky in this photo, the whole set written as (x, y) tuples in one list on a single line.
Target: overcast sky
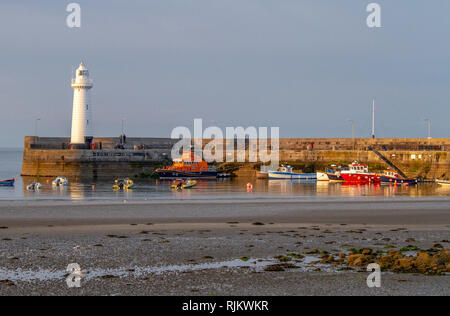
[(306, 66)]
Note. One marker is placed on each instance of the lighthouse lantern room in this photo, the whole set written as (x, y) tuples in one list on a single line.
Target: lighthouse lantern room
[(82, 133)]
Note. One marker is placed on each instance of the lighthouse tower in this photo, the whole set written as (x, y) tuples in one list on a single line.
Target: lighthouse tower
[(82, 133)]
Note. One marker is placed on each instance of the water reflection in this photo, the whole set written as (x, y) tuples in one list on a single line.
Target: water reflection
[(211, 189)]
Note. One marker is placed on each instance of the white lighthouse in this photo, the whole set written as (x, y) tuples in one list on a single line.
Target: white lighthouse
[(82, 109)]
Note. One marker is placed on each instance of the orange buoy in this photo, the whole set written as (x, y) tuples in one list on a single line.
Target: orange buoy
[(249, 186), (76, 179), (93, 187)]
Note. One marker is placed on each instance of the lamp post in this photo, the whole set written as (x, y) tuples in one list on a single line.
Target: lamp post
[(123, 125), (353, 128), (353, 132), (36, 127), (429, 127)]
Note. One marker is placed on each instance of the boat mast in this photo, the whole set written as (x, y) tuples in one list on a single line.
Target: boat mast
[(373, 119)]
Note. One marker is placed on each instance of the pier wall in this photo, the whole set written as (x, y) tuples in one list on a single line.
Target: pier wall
[(428, 158)]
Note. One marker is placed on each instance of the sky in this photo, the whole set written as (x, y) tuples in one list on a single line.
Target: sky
[(306, 66)]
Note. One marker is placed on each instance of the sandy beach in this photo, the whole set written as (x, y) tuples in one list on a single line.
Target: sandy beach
[(211, 248)]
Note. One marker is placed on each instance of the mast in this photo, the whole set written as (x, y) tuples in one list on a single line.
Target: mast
[(373, 119)]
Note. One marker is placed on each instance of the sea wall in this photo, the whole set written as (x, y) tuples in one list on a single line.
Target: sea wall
[(427, 158)]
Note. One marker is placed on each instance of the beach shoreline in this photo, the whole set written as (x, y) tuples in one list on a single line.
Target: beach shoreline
[(138, 248)]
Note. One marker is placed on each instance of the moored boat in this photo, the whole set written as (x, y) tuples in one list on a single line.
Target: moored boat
[(7, 183), (125, 184), (180, 184), (335, 177), (286, 172), (392, 177), (322, 176), (60, 181), (187, 166), (443, 182), (34, 186), (330, 176), (359, 173)]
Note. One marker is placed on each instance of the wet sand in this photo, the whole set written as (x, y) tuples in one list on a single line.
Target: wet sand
[(194, 248)]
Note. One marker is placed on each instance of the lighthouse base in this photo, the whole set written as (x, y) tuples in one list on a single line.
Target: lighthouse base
[(88, 140)]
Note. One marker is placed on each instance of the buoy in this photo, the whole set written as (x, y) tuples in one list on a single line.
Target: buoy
[(249, 186), (76, 179), (48, 181), (93, 187)]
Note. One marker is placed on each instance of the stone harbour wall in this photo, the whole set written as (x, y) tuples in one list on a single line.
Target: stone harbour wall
[(51, 157)]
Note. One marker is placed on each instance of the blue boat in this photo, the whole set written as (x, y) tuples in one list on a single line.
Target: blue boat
[(7, 183), (391, 177), (286, 172)]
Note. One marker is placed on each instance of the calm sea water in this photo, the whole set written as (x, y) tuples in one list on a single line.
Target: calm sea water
[(11, 160)]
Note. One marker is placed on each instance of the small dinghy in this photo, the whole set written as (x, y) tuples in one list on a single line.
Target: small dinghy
[(7, 183), (60, 181), (443, 182), (179, 184), (125, 184), (35, 186)]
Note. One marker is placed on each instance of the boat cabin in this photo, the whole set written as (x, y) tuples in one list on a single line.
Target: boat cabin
[(358, 168), (285, 169), (189, 162), (391, 174)]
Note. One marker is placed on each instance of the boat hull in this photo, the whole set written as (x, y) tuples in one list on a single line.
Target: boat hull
[(392, 180), (322, 176), (335, 177), (292, 176), (7, 183), (360, 178), (171, 174)]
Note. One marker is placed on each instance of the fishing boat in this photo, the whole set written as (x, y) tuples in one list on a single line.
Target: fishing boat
[(187, 166), (359, 173), (322, 176), (286, 172), (125, 184), (330, 176), (180, 184), (443, 182), (34, 186), (60, 181), (7, 183), (335, 177), (392, 177)]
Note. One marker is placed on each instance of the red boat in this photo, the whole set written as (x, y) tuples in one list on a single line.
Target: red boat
[(359, 173)]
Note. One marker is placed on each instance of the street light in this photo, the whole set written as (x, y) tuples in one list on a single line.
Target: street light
[(353, 128), (36, 127), (353, 132), (429, 127), (123, 123)]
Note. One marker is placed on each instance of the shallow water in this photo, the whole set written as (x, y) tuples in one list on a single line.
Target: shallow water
[(89, 274), (10, 164)]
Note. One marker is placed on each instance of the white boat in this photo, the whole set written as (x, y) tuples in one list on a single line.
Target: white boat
[(60, 181), (34, 186), (286, 172), (443, 182), (321, 176)]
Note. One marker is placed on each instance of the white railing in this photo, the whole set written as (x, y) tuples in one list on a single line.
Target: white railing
[(82, 82)]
